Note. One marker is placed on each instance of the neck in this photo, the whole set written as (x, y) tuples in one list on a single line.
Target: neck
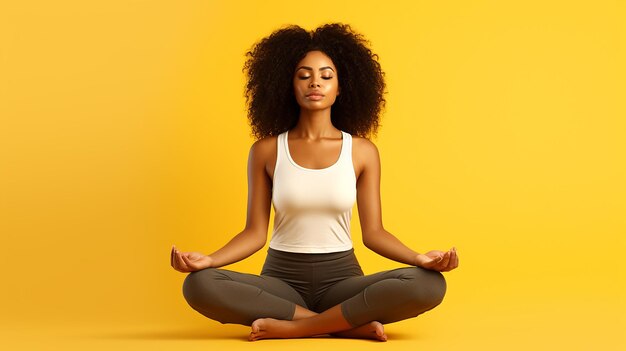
[(314, 125)]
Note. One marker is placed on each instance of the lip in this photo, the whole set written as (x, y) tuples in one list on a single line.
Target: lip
[(315, 96)]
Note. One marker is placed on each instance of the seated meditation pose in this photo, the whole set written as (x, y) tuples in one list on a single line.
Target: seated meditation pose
[(313, 99)]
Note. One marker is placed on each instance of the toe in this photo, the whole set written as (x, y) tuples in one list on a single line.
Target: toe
[(255, 327)]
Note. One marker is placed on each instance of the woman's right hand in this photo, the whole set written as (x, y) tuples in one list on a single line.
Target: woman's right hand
[(186, 262)]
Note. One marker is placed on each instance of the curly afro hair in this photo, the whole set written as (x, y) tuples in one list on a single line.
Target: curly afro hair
[(270, 66)]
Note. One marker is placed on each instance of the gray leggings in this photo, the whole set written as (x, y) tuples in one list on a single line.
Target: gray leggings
[(316, 282)]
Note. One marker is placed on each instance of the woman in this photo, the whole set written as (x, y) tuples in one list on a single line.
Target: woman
[(307, 95)]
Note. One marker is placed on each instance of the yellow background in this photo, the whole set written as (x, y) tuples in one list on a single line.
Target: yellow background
[(123, 131)]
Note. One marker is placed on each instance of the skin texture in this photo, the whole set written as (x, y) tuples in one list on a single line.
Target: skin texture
[(314, 143), (320, 80)]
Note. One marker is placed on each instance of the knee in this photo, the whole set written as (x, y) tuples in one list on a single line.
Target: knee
[(428, 288), (199, 287)]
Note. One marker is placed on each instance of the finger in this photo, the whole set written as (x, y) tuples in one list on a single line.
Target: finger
[(176, 263), (172, 256), (174, 252), (452, 260), (456, 259), (180, 262), (437, 264), (447, 263), (444, 262), (188, 263)]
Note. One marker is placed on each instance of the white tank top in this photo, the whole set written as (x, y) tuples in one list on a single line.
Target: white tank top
[(313, 207)]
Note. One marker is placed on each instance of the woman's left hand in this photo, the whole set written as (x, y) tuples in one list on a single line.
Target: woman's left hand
[(438, 260)]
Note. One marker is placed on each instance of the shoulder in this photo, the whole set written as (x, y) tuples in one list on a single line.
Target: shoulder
[(364, 148), (264, 144), (364, 154), (263, 153)]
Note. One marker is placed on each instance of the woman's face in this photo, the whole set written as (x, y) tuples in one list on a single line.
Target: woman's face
[(315, 81)]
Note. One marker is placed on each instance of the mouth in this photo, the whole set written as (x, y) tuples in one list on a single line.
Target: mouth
[(315, 95)]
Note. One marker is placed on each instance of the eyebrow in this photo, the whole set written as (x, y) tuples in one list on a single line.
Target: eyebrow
[(310, 69)]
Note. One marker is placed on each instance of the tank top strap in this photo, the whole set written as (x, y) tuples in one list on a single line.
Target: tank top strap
[(281, 153), (346, 148)]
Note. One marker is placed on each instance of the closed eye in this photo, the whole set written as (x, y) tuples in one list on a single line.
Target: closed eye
[(305, 78)]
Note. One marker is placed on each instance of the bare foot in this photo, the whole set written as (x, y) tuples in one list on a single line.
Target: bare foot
[(269, 328), (373, 330)]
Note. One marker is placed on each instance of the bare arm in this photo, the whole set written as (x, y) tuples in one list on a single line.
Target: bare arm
[(375, 237), (254, 235)]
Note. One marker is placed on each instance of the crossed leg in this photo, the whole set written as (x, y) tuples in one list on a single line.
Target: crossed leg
[(232, 297), (383, 297)]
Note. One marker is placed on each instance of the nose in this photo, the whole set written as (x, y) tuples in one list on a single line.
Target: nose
[(314, 84)]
